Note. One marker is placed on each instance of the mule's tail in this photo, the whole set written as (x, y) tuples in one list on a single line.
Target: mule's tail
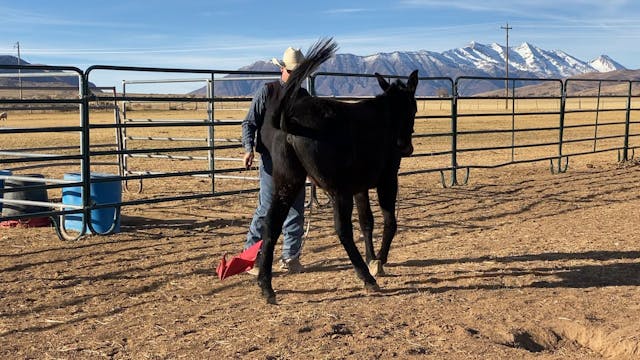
[(319, 52)]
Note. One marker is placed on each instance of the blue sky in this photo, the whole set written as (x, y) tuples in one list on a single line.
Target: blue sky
[(228, 34)]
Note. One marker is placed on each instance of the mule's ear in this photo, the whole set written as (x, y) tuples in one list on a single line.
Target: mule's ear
[(383, 83), (412, 84)]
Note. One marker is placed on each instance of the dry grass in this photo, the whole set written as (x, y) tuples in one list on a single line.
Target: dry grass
[(434, 117)]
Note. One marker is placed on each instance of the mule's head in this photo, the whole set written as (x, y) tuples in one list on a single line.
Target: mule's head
[(403, 107)]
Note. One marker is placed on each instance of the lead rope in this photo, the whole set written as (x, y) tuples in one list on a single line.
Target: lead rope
[(306, 231), (308, 221), (307, 226), (308, 218)]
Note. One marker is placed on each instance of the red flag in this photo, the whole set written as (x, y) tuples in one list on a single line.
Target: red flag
[(238, 264)]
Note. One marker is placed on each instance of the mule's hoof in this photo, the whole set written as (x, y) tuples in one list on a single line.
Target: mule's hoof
[(372, 287), (271, 300), (269, 296), (375, 268)]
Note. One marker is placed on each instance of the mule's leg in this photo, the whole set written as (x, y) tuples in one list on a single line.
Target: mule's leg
[(285, 192), (342, 211), (288, 180), (387, 193), (365, 218), (271, 230)]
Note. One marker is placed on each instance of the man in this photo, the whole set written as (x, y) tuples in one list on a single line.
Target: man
[(293, 227)]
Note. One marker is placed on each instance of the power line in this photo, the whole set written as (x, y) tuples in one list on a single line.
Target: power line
[(17, 45), (506, 65)]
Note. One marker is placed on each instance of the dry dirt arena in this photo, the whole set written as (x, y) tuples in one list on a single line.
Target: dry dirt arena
[(518, 264)]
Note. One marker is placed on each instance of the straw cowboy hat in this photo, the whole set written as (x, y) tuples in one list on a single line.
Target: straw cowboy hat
[(290, 59)]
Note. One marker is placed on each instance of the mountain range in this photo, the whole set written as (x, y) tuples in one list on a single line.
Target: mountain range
[(475, 59), (70, 82)]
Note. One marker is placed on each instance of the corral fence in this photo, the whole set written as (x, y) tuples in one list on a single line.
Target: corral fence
[(185, 144)]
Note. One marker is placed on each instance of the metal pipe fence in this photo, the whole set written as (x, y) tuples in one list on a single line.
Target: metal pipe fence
[(186, 144), (15, 158)]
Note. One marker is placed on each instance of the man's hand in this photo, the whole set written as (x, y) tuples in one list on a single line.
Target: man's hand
[(248, 159)]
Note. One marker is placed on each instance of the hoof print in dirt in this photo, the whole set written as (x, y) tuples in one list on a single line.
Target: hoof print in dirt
[(534, 340), (337, 330), (418, 350)]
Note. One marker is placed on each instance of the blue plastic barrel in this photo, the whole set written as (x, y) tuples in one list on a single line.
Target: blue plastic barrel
[(108, 192), (3, 172)]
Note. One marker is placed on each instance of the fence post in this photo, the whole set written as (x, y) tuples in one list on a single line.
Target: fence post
[(210, 93), (595, 131), (311, 85), (454, 134), (627, 121), (513, 119), (85, 151), (563, 104)]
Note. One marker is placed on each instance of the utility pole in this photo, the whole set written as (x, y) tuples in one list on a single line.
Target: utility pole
[(17, 45), (506, 66)]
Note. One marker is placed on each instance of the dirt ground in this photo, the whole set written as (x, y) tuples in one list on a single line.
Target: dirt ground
[(518, 264)]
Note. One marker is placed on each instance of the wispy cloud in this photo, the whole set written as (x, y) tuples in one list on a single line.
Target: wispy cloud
[(540, 9), (500, 5), (347, 11), (12, 16)]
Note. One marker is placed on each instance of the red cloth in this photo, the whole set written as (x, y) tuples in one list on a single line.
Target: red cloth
[(238, 264), (31, 222)]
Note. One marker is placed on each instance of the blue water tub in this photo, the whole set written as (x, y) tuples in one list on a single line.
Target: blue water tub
[(102, 220)]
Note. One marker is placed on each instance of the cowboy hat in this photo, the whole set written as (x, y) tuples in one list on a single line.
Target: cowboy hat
[(290, 59)]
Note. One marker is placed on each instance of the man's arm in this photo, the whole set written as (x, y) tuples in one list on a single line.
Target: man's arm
[(251, 124)]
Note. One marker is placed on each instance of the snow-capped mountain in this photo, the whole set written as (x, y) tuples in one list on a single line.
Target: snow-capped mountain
[(603, 63), (475, 59), (525, 60)]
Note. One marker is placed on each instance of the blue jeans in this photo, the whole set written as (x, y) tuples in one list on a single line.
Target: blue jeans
[(293, 227)]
